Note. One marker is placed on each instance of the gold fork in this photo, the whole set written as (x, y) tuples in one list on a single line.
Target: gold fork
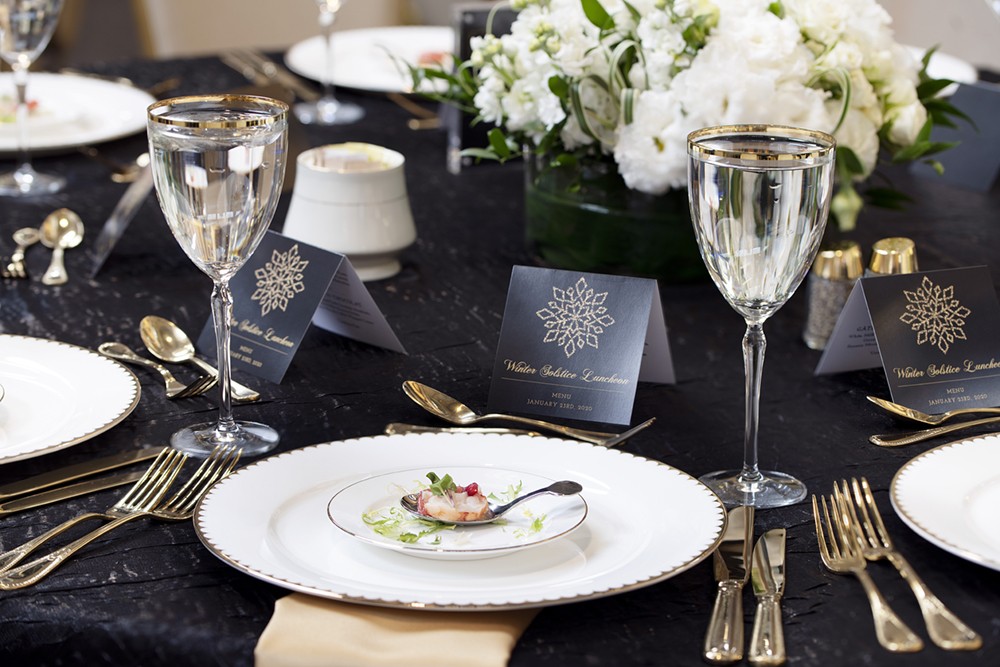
[(841, 554), (925, 418), (945, 629), (137, 497), (179, 507)]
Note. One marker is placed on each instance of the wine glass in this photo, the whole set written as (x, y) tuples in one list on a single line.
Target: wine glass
[(218, 162), (759, 198), (328, 110), (26, 26)]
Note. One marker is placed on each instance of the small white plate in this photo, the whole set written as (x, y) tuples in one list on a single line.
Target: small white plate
[(74, 111), (949, 495), (57, 395), (364, 59), (378, 498)]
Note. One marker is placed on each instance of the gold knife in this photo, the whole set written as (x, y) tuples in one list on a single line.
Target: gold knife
[(396, 428), (767, 641), (70, 491), (76, 471), (724, 639)]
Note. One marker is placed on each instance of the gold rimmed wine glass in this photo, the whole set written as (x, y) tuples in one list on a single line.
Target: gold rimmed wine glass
[(218, 162), (26, 26), (760, 196), (328, 110)]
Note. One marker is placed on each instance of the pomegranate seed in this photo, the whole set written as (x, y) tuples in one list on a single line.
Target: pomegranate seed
[(472, 489)]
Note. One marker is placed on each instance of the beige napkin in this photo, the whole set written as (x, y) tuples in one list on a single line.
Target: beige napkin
[(306, 631)]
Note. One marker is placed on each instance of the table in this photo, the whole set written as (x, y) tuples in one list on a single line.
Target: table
[(152, 594)]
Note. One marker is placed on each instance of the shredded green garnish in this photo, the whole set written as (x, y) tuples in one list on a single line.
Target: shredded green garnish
[(513, 491), (394, 524), (536, 526)]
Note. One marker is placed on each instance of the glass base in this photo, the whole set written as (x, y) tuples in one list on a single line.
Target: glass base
[(26, 182), (199, 440), (772, 489), (328, 112)]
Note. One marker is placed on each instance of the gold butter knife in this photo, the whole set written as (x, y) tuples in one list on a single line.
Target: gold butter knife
[(76, 471)]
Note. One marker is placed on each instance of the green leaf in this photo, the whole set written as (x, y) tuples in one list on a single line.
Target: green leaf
[(480, 154), (777, 9), (932, 87), (848, 161), (596, 14), (636, 16), (498, 142), (887, 198), (559, 87)]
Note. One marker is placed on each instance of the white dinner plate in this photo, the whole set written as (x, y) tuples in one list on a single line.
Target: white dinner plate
[(74, 111), (369, 511), (950, 494), (57, 395), (364, 59), (646, 522)]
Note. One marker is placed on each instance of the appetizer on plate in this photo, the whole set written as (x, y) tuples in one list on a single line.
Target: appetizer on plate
[(447, 501)]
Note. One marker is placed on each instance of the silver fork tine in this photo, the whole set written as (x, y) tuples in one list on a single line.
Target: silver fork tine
[(945, 628), (36, 570)]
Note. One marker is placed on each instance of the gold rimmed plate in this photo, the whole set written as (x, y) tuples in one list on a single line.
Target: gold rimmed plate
[(646, 522), (58, 395)]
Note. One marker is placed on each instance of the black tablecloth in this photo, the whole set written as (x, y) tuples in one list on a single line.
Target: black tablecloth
[(152, 594)]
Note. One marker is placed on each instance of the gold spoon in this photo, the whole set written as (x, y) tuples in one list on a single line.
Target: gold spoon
[(923, 417), (60, 230), (454, 411)]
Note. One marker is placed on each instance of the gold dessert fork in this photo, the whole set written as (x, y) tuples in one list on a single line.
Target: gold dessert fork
[(923, 417), (945, 629), (841, 553), (137, 497), (179, 507)]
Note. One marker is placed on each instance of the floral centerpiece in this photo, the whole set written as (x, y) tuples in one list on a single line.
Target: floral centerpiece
[(619, 84)]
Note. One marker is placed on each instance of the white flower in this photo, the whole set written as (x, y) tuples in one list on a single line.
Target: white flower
[(905, 123)]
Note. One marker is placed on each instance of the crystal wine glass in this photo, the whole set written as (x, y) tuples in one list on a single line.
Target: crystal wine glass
[(218, 162), (328, 110), (26, 26), (759, 197)]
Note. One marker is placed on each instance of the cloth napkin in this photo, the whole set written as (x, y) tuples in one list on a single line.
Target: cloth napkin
[(306, 631)]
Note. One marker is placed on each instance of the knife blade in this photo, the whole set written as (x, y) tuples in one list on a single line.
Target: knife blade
[(70, 491), (767, 575), (724, 639), (116, 224), (76, 471), (395, 428)]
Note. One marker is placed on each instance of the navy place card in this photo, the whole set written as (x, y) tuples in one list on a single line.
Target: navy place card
[(285, 286), (934, 333), (574, 345)]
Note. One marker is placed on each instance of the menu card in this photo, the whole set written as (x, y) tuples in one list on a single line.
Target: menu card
[(934, 333), (283, 287), (574, 345)]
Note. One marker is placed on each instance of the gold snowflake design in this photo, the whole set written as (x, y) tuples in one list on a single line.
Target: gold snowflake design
[(575, 317), (279, 280), (935, 314)]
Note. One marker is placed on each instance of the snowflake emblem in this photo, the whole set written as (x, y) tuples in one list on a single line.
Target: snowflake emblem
[(279, 280), (575, 317), (935, 314)]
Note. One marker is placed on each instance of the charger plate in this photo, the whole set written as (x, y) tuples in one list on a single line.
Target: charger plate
[(58, 395), (949, 496), (646, 522)]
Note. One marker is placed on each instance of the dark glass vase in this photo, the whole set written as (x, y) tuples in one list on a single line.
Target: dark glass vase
[(583, 217)]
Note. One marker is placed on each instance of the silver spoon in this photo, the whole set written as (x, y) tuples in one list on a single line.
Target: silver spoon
[(454, 411), (60, 230), (563, 488), (24, 238), (168, 342)]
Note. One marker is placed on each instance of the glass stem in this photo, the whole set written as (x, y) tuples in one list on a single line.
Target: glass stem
[(326, 19), (222, 318), (754, 345), (21, 85)]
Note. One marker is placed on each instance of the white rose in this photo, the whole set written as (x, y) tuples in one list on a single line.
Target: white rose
[(905, 123), (860, 134)]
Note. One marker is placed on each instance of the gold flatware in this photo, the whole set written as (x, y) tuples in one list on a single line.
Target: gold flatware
[(61, 230), (890, 440), (121, 172), (840, 552), (76, 471), (945, 629), (219, 463), (767, 576), (24, 238), (167, 342), (925, 418), (456, 412), (174, 387), (276, 73), (724, 638), (396, 428), (34, 500), (143, 495)]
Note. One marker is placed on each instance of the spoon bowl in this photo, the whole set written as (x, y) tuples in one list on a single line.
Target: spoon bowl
[(562, 488), (454, 411), (26, 237), (62, 229)]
